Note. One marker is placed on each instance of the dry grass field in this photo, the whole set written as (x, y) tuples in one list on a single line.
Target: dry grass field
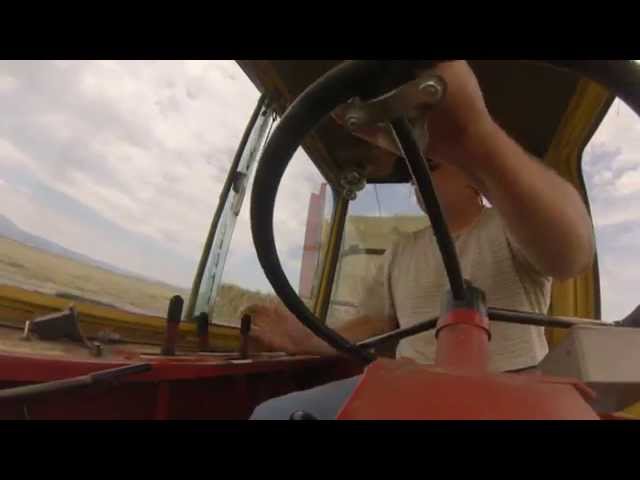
[(37, 270)]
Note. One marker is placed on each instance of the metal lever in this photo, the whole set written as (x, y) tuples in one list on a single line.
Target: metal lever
[(245, 329), (202, 323), (74, 382), (174, 314), (60, 325)]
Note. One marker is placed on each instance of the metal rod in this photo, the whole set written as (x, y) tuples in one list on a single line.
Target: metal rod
[(399, 334), (330, 261), (202, 325), (496, 315), (71, 383), (355, 250), (174, 314), (422, 176), (539, 319), (245, 331), (226, 188)]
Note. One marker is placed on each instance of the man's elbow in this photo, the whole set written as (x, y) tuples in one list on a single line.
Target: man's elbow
[(576, 261)]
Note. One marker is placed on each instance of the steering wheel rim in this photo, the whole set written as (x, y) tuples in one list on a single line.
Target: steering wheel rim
[(364, 79)]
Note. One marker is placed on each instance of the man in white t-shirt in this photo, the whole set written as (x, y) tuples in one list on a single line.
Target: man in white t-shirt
[(537, 230)]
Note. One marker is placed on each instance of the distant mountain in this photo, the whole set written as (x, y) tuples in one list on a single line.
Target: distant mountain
[(10, 230)]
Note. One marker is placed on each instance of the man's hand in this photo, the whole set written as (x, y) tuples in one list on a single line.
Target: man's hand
[(455, 125), (543, 213), (277, 329), (461, 120)]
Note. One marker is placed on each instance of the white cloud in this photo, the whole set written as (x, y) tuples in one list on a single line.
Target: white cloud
[(602, 178), (145, 144), (612, 174), (7, 83), (11, 155), (628, 182)]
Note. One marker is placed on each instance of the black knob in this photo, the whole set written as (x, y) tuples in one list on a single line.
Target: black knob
[(301, 415)]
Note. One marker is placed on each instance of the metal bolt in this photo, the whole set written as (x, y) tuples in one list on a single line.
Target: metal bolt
[(302, 415), (353, 181), (27, 331), (352, 178), (97, 349), (350, 194), (431, 90), (353, 121)]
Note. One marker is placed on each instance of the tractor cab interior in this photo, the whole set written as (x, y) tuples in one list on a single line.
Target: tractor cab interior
[(353, 119), (351, 126)]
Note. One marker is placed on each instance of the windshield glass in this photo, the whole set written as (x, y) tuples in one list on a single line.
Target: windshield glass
[(378, 216), (302, 211), (110, 174)]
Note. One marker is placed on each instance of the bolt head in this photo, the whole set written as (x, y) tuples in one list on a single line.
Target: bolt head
[(353, 121), (352, 177), (431, 90), (350, 195)]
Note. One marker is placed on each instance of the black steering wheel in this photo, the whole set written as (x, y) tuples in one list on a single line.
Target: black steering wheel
[(370, 80)]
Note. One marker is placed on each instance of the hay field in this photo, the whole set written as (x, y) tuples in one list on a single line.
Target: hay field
[(37, 270)]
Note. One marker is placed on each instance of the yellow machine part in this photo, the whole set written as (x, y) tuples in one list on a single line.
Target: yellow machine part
[(18, 305), (633, 410)]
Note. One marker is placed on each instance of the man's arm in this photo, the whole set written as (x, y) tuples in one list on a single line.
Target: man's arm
[(543, 213), (276, 328)]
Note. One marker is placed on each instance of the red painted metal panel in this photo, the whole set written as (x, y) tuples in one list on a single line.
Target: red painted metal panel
[(176, 387), (406, 390)]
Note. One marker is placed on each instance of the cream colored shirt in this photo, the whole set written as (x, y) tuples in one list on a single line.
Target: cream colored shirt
[(412, 281)]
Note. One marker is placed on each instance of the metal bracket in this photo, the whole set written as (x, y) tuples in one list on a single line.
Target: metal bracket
[(60, 325), (409, 100), (352, 181)]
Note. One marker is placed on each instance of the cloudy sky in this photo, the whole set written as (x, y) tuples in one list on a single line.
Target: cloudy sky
[(611, 168), (123, 161)]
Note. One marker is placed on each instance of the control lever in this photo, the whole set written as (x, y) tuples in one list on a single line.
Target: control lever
[(245, 329), (301, 415), (174, 314), (60, 325)]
